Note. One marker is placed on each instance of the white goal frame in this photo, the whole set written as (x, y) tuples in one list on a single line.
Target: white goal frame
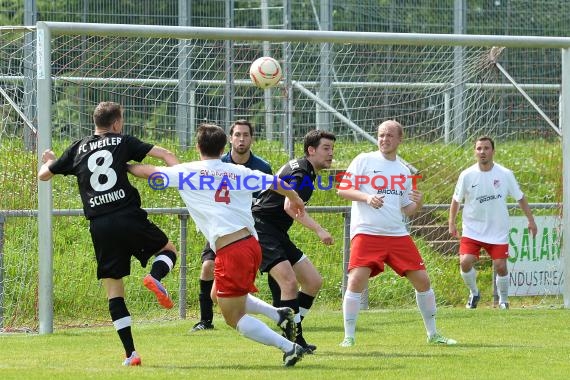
[(45, 31)]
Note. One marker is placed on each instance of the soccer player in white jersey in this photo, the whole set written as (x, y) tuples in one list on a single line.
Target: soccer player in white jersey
[(241, 140), (218, 196), (380, 188), (485, 187)]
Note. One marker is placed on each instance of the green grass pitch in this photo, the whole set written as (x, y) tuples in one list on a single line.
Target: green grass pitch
[(390, 344)]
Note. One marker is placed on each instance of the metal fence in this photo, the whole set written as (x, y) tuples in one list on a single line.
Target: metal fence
[(184, 244)]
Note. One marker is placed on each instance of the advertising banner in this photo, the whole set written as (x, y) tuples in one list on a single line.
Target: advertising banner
[(534, 265)]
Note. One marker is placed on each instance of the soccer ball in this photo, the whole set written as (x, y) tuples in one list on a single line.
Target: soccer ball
[(265, 72)]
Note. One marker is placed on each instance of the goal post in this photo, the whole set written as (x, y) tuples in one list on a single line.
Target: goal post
[(565, 127), (410, 77), (45, 207)]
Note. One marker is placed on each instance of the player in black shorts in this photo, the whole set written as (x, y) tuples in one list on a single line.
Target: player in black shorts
[(118, 225), (241, 139), (286, 264)]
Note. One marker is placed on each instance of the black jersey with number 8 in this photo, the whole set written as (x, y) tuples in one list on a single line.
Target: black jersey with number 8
[(100, 164)]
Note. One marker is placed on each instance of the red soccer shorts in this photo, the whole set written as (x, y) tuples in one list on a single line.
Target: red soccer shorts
[(372, 251), (469, 246), (235, 268)]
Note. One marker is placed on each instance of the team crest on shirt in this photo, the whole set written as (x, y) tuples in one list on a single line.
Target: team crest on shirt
[(496, 183)]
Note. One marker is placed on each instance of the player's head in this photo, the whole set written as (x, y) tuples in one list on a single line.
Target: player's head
[(108, 116), (319, 148), (390, 134), (241, 136), (486, 138), (484, 150), (210, 140)]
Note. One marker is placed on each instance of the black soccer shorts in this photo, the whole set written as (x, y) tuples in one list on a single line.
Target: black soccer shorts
[(119, 235), (276, 246)]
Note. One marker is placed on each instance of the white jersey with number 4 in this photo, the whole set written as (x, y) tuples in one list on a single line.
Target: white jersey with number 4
[(217, 194), (485, 214)]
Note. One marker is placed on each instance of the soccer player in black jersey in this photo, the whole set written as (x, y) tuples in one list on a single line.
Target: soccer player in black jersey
[(118, 225), (286, 264), (241, 139)]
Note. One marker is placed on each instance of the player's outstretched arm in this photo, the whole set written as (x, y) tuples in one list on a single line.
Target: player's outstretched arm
[(296, 204), (48, 157), (307, 221), (163, 154), (142, 170)]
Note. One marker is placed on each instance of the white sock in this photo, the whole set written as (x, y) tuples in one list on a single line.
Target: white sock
[(350, 309), (470, 279), (297, 318), (254, 305), (303, 312), (121, 323), (258, 331), (165, 259), (426, 304), (503, 288)]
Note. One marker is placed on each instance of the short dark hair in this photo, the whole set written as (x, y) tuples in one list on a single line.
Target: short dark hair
[(313, 138), (106, 113), (486, 138), (241, 122), (211, 139)]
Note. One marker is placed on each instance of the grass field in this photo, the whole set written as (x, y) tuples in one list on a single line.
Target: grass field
[(493, 344)]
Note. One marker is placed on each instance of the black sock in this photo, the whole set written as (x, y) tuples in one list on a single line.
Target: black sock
[(299, 331), (206, 303), (293, 304), (160, 268), (275, 290), (118, 310), (305, 301)]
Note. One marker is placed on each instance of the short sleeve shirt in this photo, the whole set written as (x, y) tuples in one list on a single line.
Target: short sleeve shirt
[(387, 178), (485, 214), (300, 175), (100, 164), (218, 195)]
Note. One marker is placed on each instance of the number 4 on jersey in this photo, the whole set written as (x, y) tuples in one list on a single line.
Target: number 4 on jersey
[(222, 194)]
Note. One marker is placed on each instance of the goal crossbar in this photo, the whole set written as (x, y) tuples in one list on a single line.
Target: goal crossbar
[(313, 36)]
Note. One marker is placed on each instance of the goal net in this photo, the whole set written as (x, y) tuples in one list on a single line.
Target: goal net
[(169, 80), (18, 166)]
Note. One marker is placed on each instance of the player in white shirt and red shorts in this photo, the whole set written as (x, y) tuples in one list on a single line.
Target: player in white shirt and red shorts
[(218, 196), (484, 189), (380, 188)]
